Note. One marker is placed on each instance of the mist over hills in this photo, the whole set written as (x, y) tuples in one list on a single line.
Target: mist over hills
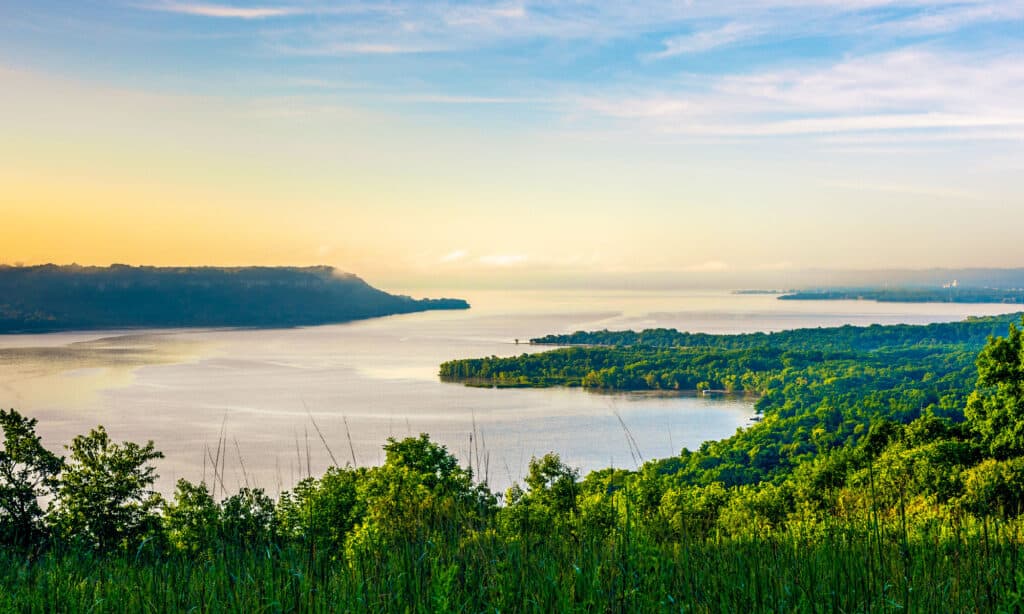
[(49, 297)]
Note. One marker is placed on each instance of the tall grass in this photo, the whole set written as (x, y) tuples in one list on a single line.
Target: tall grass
[(973, 566)]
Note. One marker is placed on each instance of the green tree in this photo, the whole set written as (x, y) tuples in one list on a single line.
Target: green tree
[(323, 512), (553, 483), (419, 490), (28, 471), (996, 407), (551, 502), (105, 498), (192, 519), (247, 517)]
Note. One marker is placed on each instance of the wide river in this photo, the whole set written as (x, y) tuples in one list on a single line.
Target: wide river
[(268, 395)]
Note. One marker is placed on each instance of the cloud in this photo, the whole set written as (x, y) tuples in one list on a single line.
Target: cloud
[(454, 256), (359, 48), (223, 11), (874, 123), (477, 15), (901, 91), (957, 17), (451, 99), (652, 107), (703, 41)]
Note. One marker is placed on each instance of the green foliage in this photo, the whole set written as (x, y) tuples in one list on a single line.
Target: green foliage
[(28, 471), (995, 485), (247, 517), (419, 491), (550, 502), (322, 513), (553, 483), (819, 389), (996, 407), (191, 520), (105, 499)]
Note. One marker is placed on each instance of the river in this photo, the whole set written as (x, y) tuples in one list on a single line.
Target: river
[(283, 403)]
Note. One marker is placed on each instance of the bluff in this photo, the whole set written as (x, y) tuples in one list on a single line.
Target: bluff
[(52, 298)]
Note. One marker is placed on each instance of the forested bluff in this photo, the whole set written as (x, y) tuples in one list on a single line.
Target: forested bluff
[(48, 298)]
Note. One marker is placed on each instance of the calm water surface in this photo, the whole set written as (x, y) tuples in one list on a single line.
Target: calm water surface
[(268, 390)]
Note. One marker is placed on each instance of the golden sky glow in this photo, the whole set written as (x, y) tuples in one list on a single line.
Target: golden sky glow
[(410, 182)]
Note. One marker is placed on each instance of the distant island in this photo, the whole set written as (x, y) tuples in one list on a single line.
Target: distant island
[(949, 294), (49, 297)]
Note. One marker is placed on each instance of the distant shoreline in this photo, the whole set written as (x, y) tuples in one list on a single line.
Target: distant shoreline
[(51, 298), (912, 295)]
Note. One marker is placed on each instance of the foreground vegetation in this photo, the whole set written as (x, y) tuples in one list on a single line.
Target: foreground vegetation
[(871, 485)]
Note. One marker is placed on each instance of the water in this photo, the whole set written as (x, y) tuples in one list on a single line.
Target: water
[(269, 391)]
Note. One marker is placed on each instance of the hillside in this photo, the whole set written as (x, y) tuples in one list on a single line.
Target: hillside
[(51, 298)]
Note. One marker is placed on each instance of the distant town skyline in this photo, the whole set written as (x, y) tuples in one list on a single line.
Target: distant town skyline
[(462, 142)]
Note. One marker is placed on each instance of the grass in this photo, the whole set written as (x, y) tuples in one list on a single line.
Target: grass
[(855, 567)]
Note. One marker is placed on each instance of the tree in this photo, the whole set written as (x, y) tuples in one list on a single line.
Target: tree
[(323, 512), (553, 483), (192, 519), (28, 471), (995, 409), (105, 498), (421, 489), (247, 517)]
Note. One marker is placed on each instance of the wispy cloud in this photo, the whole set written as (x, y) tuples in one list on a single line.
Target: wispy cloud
[(455, 256), (958, 16), (223, 11), (359, 48), (455, 99), (484, 15), (904, 90), (703, 40)]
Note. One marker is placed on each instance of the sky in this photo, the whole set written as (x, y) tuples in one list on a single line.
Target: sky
[(418, 143)]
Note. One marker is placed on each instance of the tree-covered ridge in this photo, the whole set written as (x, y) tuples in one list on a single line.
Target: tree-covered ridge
[(972, 331), (49, 297), (912, 295)]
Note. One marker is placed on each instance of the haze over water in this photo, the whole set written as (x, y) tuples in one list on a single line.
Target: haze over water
[(265, 388)]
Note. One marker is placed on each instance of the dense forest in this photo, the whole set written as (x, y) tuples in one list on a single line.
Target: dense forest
[(887, 475), (911, 295), (50, 298)]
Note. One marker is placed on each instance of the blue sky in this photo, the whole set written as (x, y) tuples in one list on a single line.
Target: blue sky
[(693, 111)]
